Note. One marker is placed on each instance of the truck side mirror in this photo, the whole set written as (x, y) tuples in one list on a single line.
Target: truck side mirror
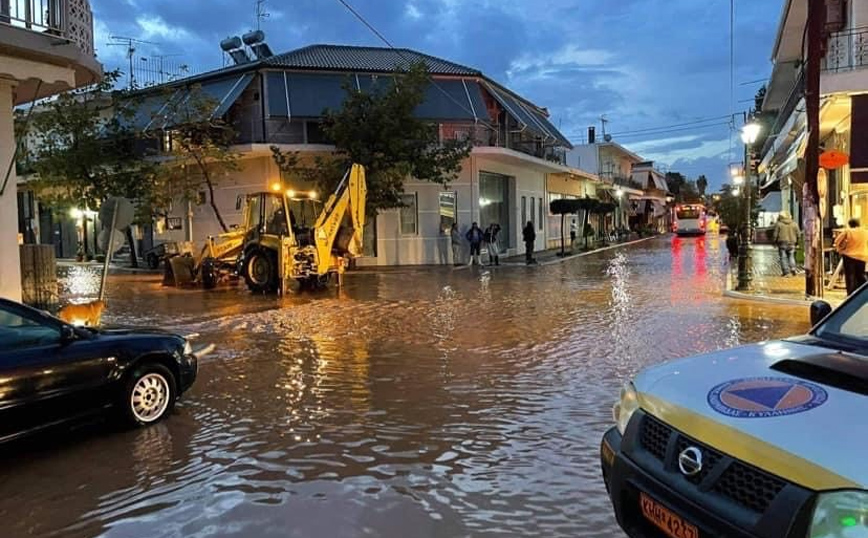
[(819, 310)]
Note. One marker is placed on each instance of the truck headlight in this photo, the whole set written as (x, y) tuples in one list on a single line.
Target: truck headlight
[(841, 514), (625, 406)]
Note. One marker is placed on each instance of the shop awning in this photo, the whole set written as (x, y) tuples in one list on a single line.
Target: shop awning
[(308, 95), (173, 106)]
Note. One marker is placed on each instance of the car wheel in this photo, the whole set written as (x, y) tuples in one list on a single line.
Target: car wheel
[(153, 261), (150, 394)]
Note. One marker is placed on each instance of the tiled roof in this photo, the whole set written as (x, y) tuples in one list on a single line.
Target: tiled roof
[(364, 59)]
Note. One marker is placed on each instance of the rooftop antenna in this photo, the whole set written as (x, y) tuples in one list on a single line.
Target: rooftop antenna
[(603, 122), (261, 13), (130, 43)]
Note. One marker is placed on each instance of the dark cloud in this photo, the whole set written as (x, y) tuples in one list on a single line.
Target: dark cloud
[(642, 63)]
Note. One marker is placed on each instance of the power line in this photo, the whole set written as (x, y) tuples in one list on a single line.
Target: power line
[(651, 130), (682, 129), (409, 62)]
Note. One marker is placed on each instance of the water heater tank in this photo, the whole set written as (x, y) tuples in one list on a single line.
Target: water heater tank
[(251, 38), (231, 43)]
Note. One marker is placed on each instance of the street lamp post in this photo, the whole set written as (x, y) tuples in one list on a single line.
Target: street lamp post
[(749, 133)]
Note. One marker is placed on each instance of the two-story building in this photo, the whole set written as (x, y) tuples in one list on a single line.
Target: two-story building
[(629, 180), (46, 47), (843, 111), (280, 99)]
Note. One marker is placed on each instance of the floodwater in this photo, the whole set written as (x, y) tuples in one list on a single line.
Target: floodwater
[(412, 403)]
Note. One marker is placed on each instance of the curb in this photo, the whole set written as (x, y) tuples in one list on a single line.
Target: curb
[(580, 254), (729, 292)]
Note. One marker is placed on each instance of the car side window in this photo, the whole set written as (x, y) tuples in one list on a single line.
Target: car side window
[(18, 332)]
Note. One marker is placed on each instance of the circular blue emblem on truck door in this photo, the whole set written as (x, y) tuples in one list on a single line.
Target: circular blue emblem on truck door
[(764, 397)]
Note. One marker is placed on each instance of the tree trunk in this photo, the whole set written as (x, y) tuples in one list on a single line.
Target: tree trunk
[(213, 204), (562, 234), (134, 262)]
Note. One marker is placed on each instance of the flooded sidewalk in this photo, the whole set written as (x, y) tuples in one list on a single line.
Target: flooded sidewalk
[(770, 285), (419, 403)]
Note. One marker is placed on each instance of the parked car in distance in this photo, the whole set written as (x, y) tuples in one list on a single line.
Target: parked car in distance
[(53, 373), (766, 440)]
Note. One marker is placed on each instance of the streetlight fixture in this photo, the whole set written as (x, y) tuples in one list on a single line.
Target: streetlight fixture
[(750, 131)]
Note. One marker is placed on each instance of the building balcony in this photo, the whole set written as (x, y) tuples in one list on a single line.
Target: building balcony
[(847, 50), (46, 46), (484, 136)]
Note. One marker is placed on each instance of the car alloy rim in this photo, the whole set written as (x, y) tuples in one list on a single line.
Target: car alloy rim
[(150, 397)]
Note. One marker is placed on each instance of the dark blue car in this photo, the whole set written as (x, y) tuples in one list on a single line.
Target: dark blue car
[(52, 373)]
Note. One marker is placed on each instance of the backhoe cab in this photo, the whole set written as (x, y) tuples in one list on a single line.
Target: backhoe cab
[(293, 236)]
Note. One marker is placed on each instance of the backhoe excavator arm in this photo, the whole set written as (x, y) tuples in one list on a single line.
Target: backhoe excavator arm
[(346, 205)]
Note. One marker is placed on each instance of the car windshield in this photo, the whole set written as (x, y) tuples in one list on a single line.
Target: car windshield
[(848, 324)]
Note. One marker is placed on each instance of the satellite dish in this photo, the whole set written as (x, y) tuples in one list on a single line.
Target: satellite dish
[(103, 238), (125, 213), (607, 138)]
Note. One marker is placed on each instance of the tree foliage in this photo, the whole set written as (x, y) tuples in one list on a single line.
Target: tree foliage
[(683, 189), (731, 208), (702, 184), (378, 129), (82, 149), (199, 147)]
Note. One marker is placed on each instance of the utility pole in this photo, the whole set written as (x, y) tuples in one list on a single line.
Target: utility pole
[(813, 223)]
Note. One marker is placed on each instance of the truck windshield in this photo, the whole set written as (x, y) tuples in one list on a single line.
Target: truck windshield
[(848, 324)]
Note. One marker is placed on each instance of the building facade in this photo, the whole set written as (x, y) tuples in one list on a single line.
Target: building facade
[(843, 113), (279, 101), (46, 47)]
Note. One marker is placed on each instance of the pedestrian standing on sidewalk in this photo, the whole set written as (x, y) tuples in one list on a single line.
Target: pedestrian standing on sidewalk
[(574, 231), (785, 237), (474, 236), (529, 236), (457, 258), (493, 246), (852, 245)]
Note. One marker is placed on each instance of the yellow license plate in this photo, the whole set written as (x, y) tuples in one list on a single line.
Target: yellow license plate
[(668, 522)]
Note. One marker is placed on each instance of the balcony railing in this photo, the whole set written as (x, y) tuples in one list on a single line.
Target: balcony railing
[(481, 135), (68, 19), (847, 50)]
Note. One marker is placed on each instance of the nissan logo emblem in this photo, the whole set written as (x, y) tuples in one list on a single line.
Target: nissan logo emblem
[(690, 461)]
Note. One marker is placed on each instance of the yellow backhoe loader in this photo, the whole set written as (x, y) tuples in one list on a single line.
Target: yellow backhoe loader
[(289, 235)]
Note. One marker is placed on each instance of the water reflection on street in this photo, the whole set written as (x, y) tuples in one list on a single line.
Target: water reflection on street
[(413, 402)]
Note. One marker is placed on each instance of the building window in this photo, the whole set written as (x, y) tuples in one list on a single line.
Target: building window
[(409, 214), (533, 211), (315, 133), (523, 210), (448, 210), (540, 221), (495, 206)]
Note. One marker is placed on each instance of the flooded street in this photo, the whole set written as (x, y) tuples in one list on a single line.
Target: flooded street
[(414, 402)]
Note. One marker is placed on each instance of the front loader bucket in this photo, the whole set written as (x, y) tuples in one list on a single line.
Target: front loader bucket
[(181, 270)]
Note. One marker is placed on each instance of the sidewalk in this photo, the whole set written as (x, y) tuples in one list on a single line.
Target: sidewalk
[(553, 256), (770, 286)]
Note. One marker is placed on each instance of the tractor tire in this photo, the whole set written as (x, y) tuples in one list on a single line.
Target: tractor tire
[(260, 271), (209, 273)]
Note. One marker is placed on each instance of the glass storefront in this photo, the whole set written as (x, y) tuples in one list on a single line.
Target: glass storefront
[(494, 205)]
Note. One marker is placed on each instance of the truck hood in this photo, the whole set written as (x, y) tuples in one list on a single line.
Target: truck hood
[(743, 402)]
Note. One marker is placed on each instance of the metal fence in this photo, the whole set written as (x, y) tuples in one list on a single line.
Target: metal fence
[(847, 50)]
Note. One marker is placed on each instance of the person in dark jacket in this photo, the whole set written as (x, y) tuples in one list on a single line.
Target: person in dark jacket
[(529, 236), (474, 236), (493, 245)]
